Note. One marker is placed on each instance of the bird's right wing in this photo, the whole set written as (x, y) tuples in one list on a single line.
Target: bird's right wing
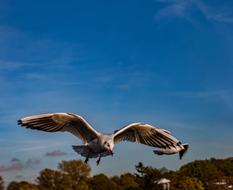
[(147, 135), (54, 122)]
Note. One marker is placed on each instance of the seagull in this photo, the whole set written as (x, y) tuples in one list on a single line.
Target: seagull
[(97, 144)]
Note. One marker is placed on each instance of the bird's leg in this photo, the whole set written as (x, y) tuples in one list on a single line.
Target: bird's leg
[(98, 160), (86, 160)]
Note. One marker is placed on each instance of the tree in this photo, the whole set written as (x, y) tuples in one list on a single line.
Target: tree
[(77, 169), (23, 185), (78, 173), (128, 182), (102, 182), (54, 180), (1, 183), (204, 170), (72, 175), (223, 165), (220, 183), (147, 176), (210, 174), (186, 183)]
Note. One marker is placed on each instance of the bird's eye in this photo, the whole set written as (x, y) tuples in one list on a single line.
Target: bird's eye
[(105, 142)]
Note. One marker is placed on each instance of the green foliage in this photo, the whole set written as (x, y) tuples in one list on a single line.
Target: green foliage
[(147, 176), (203, 170), (102, 182), (23, 185), (223, 165), (186, 183), (52, 179), (75, 175), (77, 172), (76, 169), (128, 182), (225, 180), (72, 175)]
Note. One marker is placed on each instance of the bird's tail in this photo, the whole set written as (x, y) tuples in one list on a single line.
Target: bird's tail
[(184, 150), (82, 150)]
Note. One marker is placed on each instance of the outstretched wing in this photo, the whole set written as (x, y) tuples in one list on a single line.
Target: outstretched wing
[(55, 122), (146, 134)]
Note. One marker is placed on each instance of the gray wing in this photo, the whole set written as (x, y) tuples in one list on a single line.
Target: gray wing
[(147, 135), (55, 122)]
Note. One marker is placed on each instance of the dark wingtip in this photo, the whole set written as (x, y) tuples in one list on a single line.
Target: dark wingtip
[(115, 131), (183, 151), (19, 122)]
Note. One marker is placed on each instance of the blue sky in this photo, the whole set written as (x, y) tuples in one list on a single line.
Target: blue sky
[(164, 62)]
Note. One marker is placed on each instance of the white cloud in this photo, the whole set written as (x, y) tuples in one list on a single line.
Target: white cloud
[(184, 9), (38, 147), (174, 9), (221, 13), (224, 96)]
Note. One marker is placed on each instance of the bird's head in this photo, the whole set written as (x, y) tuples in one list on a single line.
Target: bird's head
[(108, 145)]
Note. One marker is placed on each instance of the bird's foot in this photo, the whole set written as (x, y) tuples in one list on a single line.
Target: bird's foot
[(98, 161)]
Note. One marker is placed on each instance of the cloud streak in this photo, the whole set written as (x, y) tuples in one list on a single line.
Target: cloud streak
[(178, 9), (185, 8), (55, 153), (18, 165), (224, 96), (39, 147)]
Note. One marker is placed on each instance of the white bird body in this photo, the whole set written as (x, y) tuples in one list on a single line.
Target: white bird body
[(96, 144)]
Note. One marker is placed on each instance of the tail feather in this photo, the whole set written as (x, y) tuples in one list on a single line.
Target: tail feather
[(82, 150), (184, 150)]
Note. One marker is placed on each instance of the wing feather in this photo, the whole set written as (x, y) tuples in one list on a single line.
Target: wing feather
[(146, 134), (55, 122)]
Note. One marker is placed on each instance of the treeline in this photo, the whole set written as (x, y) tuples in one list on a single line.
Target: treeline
[(210, 174)]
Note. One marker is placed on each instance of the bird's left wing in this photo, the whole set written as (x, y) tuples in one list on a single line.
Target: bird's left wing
[(54, 122), (147, 135)]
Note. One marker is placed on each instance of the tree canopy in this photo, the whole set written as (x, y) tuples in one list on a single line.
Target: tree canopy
[(23, 185), (213, 174)]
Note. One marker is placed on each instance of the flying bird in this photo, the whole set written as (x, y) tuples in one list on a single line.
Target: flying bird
[(97, 144)]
